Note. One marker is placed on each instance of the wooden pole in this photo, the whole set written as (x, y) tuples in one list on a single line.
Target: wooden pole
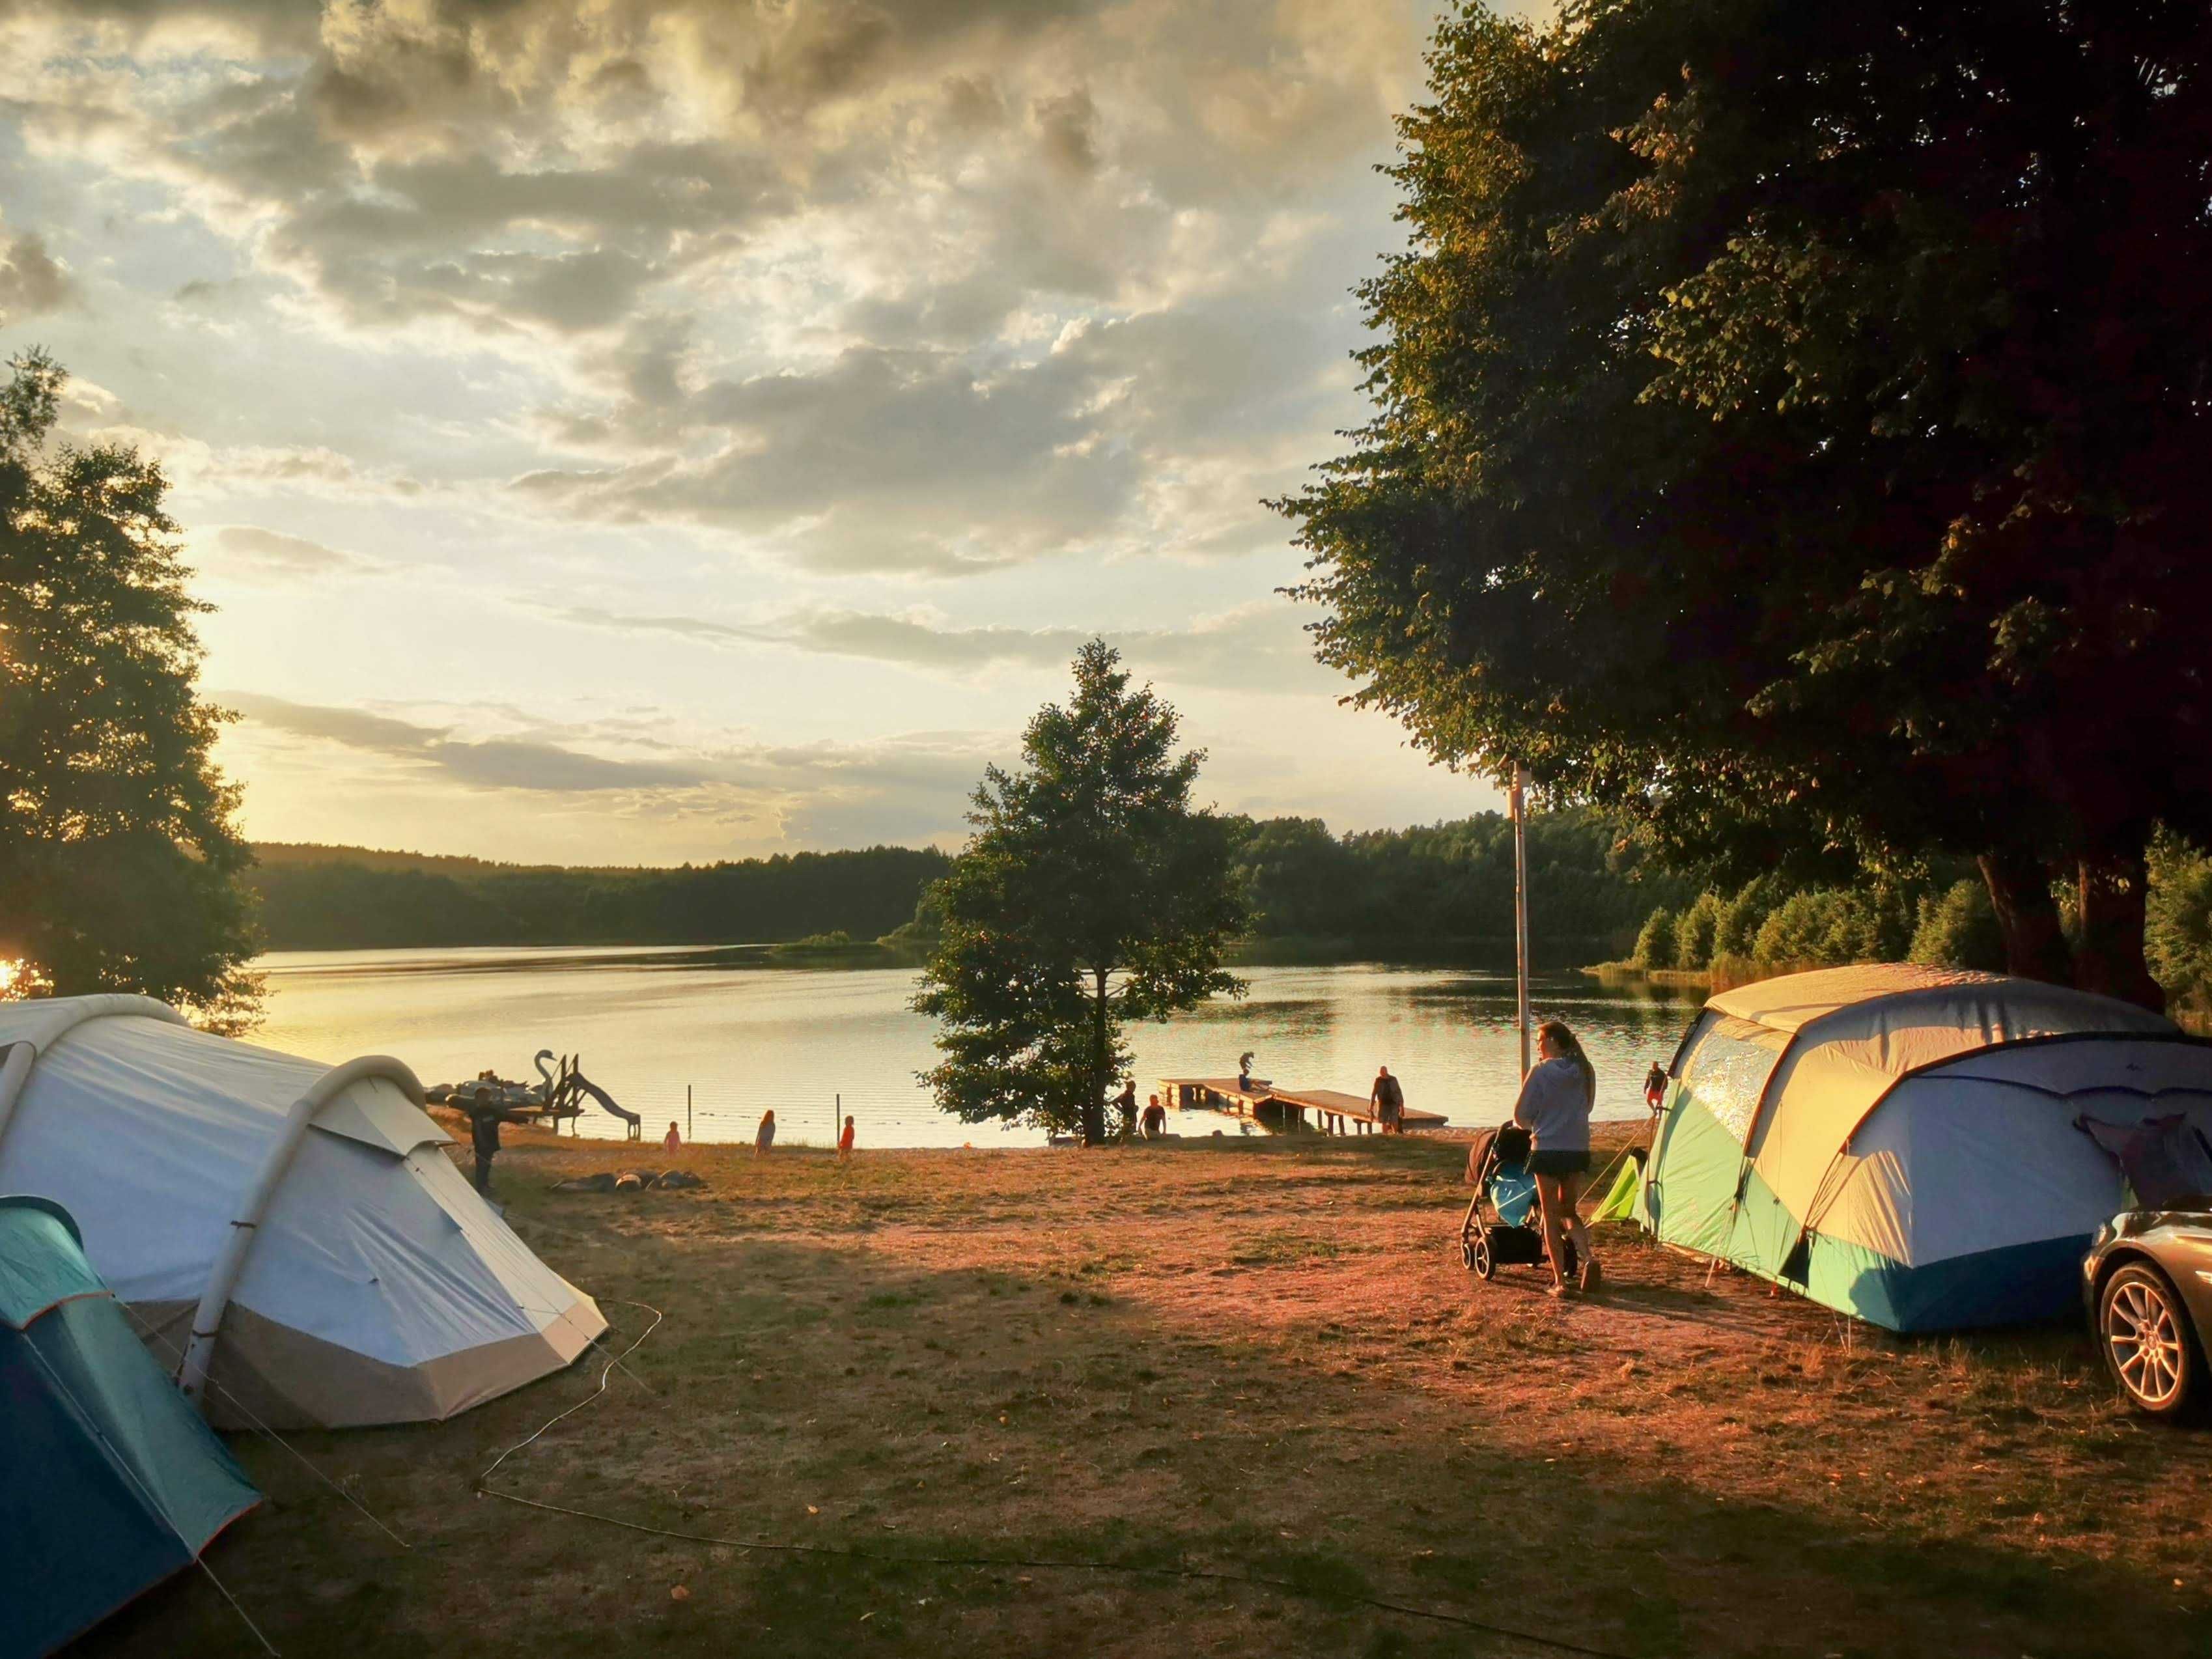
[(687, 1114), (1520, 802)]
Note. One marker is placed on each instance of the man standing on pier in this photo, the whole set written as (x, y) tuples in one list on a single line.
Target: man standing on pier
[(1387, 1101)]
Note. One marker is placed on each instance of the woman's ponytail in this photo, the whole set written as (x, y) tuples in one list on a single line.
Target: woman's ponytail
[(1568, 1047)]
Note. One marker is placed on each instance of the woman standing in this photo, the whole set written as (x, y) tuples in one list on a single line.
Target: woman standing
[(1555, 1109), (764, 1136)]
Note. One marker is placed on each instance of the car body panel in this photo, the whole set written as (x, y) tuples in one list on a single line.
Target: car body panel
[(2178, 1242)]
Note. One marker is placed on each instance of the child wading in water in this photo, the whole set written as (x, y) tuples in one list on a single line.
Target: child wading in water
[(1555, 1109)]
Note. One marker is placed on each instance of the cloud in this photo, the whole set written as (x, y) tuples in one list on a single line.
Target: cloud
[(912, 787), (787, 273), (1259, 646), (257, 554), (481, 763), (31, 281)]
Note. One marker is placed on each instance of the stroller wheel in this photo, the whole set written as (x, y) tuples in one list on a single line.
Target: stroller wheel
[(1478, 1257)]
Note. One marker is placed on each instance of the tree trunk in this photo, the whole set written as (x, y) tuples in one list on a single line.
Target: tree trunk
[(2020, 892), (1094, 1104), (2109, 957)]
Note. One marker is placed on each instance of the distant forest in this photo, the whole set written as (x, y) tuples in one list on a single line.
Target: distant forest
[(1449, 887), (1435, 888), (332, 898)]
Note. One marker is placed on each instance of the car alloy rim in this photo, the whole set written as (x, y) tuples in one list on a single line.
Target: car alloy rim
[(2145, 1341)]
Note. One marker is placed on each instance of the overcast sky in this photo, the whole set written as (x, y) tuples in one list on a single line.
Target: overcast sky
[(635, 432)]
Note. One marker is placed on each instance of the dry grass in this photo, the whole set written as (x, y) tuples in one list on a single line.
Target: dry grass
[(1247, 1356)]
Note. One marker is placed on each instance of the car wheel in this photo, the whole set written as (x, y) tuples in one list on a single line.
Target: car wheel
[(2143, 1329), (1480, 1257)]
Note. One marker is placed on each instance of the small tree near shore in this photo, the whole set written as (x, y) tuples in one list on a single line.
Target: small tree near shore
[(1091, 894)]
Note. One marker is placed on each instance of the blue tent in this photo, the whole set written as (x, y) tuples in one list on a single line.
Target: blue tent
[(109, 1480)]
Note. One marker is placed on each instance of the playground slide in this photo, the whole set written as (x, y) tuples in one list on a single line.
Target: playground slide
[(600, 1095)]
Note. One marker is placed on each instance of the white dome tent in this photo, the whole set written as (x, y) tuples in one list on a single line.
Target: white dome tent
[(1899, 1142), (294, 1234)]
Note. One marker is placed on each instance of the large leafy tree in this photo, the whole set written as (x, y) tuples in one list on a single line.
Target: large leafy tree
[(1091, 894), (119, 857), (1789, 425)]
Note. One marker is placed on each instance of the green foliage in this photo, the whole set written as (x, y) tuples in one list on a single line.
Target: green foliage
[(1656, 943), (1091, 894), (1735, 931), (1447, 885), (346, 898), (119, 855), (2178, 928), (1757, 448), (1695, 932), (1959, 929)]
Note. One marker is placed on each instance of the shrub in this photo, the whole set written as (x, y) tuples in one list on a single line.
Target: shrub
[(2177, 924), (1959, 929), (1654, 945), (1816, 929), (1735, 931), (1695, 932)]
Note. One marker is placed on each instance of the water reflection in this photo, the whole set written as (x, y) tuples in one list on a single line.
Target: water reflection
[(650, 1023)]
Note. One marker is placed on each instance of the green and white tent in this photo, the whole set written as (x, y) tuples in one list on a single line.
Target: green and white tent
[(1899, 1142)]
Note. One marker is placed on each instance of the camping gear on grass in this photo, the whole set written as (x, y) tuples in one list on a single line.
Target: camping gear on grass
[(109, 1481), (1511, 1234), (1899, 1142), (295, 1233)]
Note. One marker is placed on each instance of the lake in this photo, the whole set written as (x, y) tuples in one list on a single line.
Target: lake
[(651, 1023)]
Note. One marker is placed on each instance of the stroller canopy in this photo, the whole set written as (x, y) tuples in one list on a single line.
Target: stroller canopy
[(1899, 1142)]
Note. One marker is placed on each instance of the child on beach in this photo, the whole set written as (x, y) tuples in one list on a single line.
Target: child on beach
[(764, 1136)]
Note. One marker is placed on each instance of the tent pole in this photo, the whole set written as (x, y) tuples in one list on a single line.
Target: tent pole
[(207, 1318), (1520, 804)]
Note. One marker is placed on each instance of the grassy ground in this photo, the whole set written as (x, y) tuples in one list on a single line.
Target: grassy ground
[(1246, 1357)]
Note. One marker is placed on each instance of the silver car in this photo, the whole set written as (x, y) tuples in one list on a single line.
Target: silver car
[(2147, 1280)]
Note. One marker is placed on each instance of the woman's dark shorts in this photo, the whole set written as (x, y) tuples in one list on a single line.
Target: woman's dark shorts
[(1559, 1163)]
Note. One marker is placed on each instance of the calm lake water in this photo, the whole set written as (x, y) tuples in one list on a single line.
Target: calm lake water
[(648, 1022)]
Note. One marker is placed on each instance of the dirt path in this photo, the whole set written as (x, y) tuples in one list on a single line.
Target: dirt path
[(1239, 1358)]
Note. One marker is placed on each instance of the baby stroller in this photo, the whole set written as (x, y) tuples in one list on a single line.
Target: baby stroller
[(1511, 1234)]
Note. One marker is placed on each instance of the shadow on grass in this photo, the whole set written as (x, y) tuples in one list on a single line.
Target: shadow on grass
[(825, 1397)]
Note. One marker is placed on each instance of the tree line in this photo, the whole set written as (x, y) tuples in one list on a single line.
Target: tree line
[(1430, 888), (1449, 886), (344, 898), (1943, 917)]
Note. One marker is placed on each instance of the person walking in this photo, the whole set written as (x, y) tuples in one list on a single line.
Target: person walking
[(1655, 1085), (483, 1138), (1156, 1119), (1554, 1107), (1127, 1101), (845, 1141), (1387, 1100), (671, 1143), (764, 1136)]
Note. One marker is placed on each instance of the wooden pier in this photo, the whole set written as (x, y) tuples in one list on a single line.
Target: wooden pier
[(1332, 1111)]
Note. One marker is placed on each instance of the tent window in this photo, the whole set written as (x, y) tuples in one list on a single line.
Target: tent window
[(1725, 1065)]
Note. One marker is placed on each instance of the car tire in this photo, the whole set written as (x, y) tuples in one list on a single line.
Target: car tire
[(2143, 1331)]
